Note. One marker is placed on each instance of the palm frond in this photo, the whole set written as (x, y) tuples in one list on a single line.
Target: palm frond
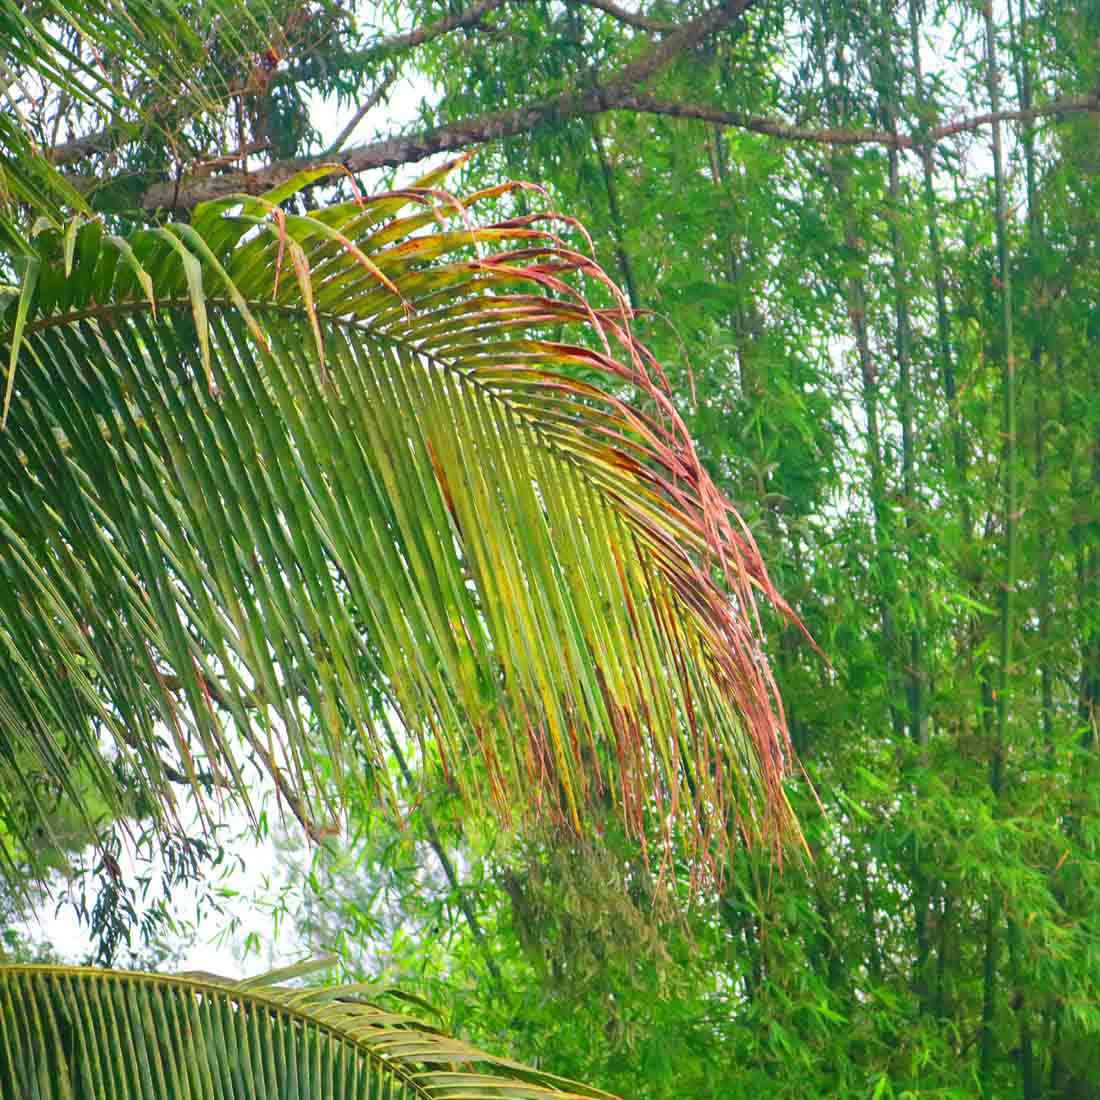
[(274, 480), (78, 1032), (101, 67)]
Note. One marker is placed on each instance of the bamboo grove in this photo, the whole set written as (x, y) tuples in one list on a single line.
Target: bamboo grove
[(862, 240), (901, 349), (894, 355)]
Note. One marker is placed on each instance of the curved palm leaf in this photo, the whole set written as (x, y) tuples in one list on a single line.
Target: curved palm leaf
[(278, 479), (68, 1032)]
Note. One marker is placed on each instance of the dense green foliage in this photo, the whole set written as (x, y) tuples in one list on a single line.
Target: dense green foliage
[(893, 375), (847, 333)]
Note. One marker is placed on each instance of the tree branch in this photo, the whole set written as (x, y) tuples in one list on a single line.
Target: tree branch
[(680, 36), (631, 19), (760, 124), (460, 135), (1086, 104), (470, 17), (466, 18), (684, 38), (779, 128), (367, 105), (69, 152), (408, 149)]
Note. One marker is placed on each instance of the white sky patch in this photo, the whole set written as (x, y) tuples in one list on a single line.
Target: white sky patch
[(216, 941)]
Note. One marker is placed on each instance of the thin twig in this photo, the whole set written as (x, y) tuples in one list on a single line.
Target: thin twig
[(466, 18), (631, 19), (436, 844)]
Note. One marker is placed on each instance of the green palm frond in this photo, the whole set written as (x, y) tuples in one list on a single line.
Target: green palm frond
[(28, 181), (81, 47), (69, 1032), (104, 62), (270, 482)]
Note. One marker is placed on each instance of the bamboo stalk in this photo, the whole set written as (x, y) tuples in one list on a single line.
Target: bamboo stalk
[(1028, 1070), (626, 266), (946, 363), (903, 356), (745, 320), (914, 674), (1008, 429), (1088, 706), (856, 299)]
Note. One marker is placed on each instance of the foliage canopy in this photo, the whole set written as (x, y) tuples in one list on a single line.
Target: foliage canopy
[(870, 230)]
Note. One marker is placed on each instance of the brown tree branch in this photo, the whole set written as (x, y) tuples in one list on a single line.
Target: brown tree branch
[(470, 17), (680, 36), (1076, 105), (69, 152), (849, 136), (631, 19), (498, 124), (406, 40), (761, 124), (615, 95), (684, 38)]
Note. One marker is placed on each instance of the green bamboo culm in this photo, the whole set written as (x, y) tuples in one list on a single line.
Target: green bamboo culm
[(1008, 431), (72, 1033)]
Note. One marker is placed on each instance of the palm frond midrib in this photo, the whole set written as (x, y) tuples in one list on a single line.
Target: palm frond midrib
[(224, 305)]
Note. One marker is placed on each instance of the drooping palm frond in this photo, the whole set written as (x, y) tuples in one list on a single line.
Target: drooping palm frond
[(277, 479), (69, 1032)]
